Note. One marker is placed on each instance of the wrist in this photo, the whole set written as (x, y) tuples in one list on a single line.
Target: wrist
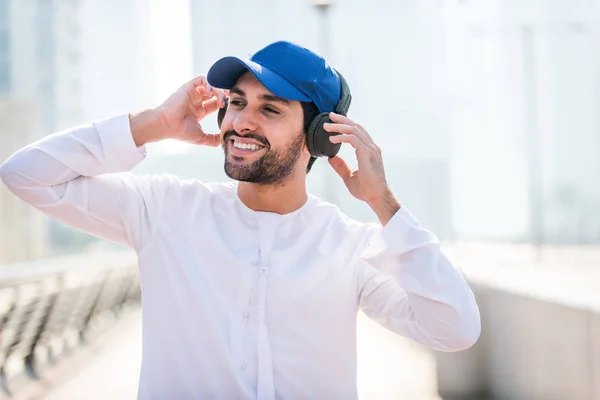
[(384, 205), (147, 126)]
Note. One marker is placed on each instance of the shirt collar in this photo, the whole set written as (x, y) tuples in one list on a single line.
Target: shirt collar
[(245, 210)]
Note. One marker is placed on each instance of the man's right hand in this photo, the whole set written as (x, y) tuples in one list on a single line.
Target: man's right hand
[(179, 116)]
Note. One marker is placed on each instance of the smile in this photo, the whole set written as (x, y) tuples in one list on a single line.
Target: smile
[(244, 147)]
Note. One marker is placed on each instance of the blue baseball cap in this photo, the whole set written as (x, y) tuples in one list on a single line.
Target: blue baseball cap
[(287, 70)]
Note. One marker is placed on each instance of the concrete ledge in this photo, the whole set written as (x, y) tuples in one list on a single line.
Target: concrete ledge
[(594, 355), (540, 340)]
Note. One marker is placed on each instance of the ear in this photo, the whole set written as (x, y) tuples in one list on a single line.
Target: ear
[(305, 148)]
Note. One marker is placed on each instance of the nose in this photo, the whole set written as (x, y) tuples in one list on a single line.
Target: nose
[(245, 121)]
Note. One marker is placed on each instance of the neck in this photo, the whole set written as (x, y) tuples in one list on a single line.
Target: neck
[(280, 199)]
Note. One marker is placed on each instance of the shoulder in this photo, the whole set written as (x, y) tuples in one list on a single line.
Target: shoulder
[(170, 190), (337, 227)]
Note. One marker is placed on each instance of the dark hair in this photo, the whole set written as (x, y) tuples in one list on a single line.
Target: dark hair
[(310, 112)]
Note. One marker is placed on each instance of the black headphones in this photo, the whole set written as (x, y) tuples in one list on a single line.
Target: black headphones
[(317, 138)]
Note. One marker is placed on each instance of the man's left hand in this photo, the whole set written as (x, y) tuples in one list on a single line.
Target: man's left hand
[(368, 182)]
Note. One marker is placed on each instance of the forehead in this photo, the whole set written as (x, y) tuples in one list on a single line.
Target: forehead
[(250, 87), (250, 83)]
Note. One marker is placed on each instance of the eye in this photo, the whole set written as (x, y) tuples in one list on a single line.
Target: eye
[(271, 110), (237, 103)]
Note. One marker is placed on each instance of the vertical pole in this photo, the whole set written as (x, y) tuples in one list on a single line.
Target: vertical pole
[(329, 179), (534, 162)]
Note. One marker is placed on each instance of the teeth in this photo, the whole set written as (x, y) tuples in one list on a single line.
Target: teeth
[(245, 146)]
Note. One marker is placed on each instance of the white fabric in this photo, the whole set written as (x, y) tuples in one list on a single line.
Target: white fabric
[(239, 304)]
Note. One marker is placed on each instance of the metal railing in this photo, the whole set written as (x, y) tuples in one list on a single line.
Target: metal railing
[(51, 307)]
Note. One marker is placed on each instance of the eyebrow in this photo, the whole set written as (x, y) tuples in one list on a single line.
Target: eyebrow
[(267, 97)]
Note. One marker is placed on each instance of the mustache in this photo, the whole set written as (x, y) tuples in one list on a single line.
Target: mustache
[(252, 135)]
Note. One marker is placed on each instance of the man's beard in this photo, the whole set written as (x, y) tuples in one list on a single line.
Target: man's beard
[(273, 167)]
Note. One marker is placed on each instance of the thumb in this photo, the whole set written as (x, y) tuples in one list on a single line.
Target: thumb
[(340, 166), (210, 139), (213, 139)]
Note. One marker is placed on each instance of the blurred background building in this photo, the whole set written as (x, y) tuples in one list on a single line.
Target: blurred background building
[(40, 58), (24, 231), (485, 110), (524, 79), (41, 88)]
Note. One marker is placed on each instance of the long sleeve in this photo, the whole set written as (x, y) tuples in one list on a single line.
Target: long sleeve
[(80, 177), (409, 286)]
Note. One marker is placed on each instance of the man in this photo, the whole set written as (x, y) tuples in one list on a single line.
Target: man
[(251, 288)]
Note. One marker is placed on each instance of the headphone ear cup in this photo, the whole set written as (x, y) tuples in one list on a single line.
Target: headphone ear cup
[(221, 113), (311, 135), (317, 138)]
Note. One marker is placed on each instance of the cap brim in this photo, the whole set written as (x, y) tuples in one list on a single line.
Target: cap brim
[(225, 73)]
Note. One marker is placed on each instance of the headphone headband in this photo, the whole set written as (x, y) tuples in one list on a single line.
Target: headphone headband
[(317, 138), (343, 104)]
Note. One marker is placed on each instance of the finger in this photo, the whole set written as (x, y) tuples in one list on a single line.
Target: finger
[(341, 119), (221, 96), (196, 97), (212, 105), (200, 84), (340, 166), (208, 92), (200, 111), (349, 130), (198, 81), (201, 87), (338, 118), (353, 140), (211, 139)]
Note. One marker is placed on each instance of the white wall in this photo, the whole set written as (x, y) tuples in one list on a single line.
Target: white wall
[(510, 88)]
